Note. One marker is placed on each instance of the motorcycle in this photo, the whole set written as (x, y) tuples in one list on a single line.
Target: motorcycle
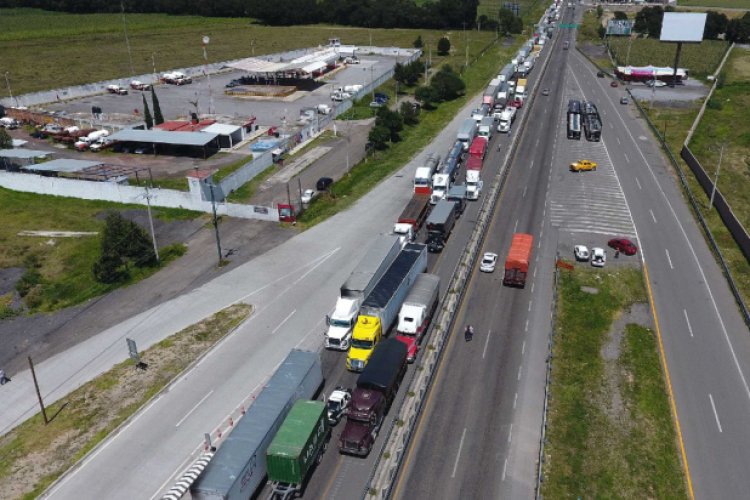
[(469, 333)]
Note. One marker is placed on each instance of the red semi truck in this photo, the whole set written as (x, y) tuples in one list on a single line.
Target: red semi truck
[(416, 211), (517, 263)]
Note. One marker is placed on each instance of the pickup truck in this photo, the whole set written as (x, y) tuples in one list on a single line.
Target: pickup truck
[(116, 89)]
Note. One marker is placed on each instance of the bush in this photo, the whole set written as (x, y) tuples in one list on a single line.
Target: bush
[(123, 243), (443, 46), (379, 136), (409, 113)]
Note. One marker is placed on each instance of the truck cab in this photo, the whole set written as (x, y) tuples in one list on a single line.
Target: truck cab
[(340, 324), (423, 180), (440, 186), (364, 419), (405, 232), (367, 334), (474, 184)]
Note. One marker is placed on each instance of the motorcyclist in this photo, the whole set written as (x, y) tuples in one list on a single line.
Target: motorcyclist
[(469, 332)]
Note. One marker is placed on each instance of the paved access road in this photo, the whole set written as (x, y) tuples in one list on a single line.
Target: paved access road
[(707, 345)]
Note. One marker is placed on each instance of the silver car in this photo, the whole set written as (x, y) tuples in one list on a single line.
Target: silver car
[(489, 260), (598, 257), (581, 253)]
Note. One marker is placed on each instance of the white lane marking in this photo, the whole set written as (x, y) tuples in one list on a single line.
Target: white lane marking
[(283, 321), (535, 272), (652, 215), (716, 415), (523, 347), (638, 182), (530, 302), (526, 328), (505, 466), (519, 373), (537, 142), (515, 400), (539, 245), (510, 433), (627, 158), (194, 408), (669, 259), (524, 191), (690, 328), (695, 258), (458, 455), (618, 140), (532, 288), (515, 226), (532, 164), (486, 343)]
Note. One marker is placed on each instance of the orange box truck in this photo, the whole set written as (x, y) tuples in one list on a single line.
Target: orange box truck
[(517, 263)]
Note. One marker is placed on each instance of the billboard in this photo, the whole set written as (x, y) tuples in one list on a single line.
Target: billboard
[(682, 27)]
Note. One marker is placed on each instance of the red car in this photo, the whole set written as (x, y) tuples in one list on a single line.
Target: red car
[(623, 245), (613, 84), (516, 103)]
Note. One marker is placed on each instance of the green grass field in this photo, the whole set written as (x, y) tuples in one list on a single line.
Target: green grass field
[(726, 4), (44, 50), (610, 432), (65, 263)]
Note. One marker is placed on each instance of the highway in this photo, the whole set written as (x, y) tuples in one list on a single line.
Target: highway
[(706, 343)]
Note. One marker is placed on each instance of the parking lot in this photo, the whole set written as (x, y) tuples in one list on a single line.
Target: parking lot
[(180, 101)]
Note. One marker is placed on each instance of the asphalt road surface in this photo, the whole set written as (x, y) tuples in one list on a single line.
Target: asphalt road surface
[(706, 343)]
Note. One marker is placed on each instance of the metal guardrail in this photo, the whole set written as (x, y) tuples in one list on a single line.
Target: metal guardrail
[(390, 461)]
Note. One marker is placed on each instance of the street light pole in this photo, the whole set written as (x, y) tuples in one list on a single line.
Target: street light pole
[(716, 180), (215, 221), (205, 40), (7, 81), (151, 224)]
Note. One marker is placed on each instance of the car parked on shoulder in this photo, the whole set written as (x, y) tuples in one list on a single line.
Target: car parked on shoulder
[(623, 245), (489, 261), (582, 165), (581, 253), (613, 83), (600, 74), (308, 195), (656, 83), (624, 100), (598, 257)]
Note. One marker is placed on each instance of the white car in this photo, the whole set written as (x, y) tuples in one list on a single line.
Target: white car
[(656, 83), (582, 253), (598, 257), (489, 260), (308, 195)]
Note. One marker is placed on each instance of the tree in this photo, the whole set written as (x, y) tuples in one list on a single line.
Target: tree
[(443, 46), (505, 18), (147, 114), (716, 24), (738, 29), (409, 113), (123, 243), (648, 21), (427, 96), (447, 84), (620, 16), (601, 31), (158, 117), (391, 121), (418, 44), (599, 11), (6, 141), (379, 136)]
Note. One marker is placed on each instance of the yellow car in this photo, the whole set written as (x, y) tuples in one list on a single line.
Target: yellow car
[(582, 165)]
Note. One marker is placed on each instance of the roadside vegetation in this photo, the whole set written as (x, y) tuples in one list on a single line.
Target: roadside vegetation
[(34, 455), (610, 432), (725, 4), (57, 272), (724, 122)]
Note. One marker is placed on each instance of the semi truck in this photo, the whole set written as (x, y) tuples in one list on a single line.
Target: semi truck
[(441, 181), (239, 465), (376, 389), (405, 233), (423, 174), (357, 288), (380, 308), (298, 446), (521, 88), (440, 224), (467, 132), (574, 119), (416, 314), (485, 128), (457, 194), (474, 184), (478, 147), (517, 263), (592, 122), (506, 119), (416, 211)]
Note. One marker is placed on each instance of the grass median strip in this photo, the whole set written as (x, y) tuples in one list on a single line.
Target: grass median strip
[(34, 455), (610, 431)]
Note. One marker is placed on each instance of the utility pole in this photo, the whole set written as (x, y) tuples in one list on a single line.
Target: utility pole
[(38, 392), (716, 180), (151, 224), (10, 93), (215, 221), (205, 41)]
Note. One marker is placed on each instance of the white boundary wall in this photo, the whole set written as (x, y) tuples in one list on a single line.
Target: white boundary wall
[(119, 193)]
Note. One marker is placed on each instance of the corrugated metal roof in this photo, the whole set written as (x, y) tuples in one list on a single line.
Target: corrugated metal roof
[(258, 65), (22, 153), (164, 137), (222, 129), (62, 165)]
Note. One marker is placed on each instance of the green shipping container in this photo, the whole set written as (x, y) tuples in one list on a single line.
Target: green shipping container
[(297, 443)]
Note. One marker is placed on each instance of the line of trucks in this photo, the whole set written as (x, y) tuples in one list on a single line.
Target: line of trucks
[(583, 115), (285, 432)]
